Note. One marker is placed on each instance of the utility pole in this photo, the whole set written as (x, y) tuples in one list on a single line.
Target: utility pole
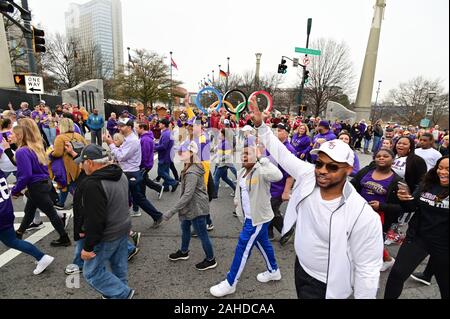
[(228, 75), (302, 87)]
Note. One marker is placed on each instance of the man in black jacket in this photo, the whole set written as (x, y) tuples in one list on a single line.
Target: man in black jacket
[(107, 223)]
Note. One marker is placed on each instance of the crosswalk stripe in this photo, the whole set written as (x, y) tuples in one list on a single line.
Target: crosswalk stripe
[(9, 255), (22, 214)]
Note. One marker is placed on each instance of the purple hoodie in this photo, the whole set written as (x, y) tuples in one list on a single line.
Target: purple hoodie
[(164, 147), (302, 145), (112, 127), (277, 189), (148, 150), (29, 170)]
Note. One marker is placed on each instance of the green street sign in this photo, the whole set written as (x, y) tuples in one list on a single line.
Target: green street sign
[(425, 123), (308, 51)]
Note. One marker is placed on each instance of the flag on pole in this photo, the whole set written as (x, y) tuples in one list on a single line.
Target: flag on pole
[(224, 74), (174, 64), (130, 60)]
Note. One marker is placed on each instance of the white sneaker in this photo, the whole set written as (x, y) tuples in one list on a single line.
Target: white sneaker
[(161, 193), (43, 264), (222, 289), (268, 276), (388, 265), (135, 214)]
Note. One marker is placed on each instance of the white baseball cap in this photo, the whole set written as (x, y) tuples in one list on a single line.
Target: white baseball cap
[(247, 128), (338, 151), (226, 122)]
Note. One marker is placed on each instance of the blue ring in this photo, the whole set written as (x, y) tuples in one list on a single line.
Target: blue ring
[(209, 89)]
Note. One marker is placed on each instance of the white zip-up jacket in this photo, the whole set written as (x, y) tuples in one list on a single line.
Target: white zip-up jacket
[(356, 243)]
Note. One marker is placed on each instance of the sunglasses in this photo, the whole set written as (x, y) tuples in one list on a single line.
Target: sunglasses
[(330, 167)]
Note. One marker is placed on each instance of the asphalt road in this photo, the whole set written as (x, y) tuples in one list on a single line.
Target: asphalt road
[(155, 277)]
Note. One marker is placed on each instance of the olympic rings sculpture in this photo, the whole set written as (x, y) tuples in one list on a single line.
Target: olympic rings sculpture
[(267, 96), (209, 89)]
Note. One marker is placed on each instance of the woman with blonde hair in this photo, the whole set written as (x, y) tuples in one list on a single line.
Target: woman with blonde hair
[(302, 142), (67, 135), (32, 173)]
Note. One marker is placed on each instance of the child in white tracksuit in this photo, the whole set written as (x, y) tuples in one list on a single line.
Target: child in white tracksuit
[(254, 209)]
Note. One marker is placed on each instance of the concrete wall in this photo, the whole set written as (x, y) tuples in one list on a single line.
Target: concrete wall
[(340, 112), (88, 94)]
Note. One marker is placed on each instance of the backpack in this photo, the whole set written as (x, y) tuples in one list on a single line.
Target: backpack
[(76, 145)]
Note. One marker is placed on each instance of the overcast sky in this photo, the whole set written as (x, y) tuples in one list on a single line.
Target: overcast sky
[(203, 33)]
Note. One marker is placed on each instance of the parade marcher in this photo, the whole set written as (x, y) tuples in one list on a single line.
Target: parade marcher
[(324, 134), (331, 217), (49, 125), (387, 144), (378, 185), (255, 212), (427, 151), (67, 135), (377, 136), (368, 135), (407, 164), (280, 191), (112, 125), (129, 156), (107, 224), (164, 148), (32, 173), (428, 232), (8, 235), (147, 148), (192, 207), (224, 153), (302, 142), (347, 139), (96, 123), (443, 148), (24, 111)]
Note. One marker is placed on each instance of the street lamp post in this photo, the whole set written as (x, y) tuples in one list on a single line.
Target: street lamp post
[(430, 108), (258, 68), (376, 101)]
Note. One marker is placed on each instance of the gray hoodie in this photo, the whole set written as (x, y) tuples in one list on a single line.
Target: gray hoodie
[(194, 200)]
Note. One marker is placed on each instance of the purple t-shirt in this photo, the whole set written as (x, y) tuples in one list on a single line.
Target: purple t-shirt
[(373, 190), (277, 189)]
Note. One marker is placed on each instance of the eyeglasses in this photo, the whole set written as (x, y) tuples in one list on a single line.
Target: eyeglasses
[(330, 167)]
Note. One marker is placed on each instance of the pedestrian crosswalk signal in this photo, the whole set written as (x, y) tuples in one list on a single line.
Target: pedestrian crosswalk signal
[(282, 68), (6, 7), (39, 41)]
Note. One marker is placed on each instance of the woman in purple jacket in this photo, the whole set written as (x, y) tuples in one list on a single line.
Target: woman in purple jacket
[(32, 173), (7, 235), (302, 142)]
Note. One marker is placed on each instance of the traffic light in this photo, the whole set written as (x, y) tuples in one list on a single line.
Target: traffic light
[(282, 68), (306, 77), (6, 7), (39, 41)]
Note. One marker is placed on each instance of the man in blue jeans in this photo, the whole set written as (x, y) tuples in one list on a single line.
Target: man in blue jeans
[(164, 149), (107, 224), (129, 156)]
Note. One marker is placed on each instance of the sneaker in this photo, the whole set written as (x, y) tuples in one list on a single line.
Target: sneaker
[(286, 238), (73, 270), (43, 264), (420, 277), (267, 276), (135, 214), (233, 194), (179, 255), (131, 295), (158, 223), (174, 188), (19, 235), (194, 234), (34, 227), (210, 227), (59, 206), (161, 193), (206, 264), (136, 237), (388, 265), (63, 241), (133, 253), (223, 289), (235, 214)]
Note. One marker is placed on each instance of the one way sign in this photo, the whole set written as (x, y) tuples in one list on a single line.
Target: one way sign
[(34, 85)]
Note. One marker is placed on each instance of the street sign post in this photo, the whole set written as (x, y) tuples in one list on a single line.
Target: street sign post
[(308, 51), (34, 84)]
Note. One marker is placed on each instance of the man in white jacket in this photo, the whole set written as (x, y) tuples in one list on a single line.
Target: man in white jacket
[(338, 239)]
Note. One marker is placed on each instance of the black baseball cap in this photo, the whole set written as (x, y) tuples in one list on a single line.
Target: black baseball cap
[(91, 152), (283, 126)]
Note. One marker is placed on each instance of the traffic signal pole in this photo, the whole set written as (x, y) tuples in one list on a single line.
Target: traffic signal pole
[(302, 87)]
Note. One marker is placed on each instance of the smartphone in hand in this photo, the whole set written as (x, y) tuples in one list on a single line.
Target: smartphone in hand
[(403, 187)]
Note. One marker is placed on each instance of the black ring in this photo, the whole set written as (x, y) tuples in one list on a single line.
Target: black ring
[(228, 94)]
